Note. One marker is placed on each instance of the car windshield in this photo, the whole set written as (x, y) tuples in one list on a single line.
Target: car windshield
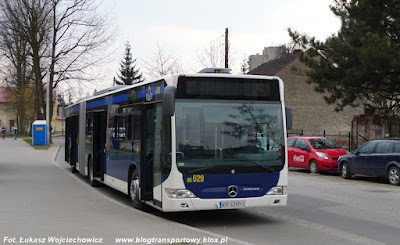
[(217, 136), (323, 143)]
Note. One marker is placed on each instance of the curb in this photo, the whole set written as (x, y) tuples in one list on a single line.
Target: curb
[(56, 153)]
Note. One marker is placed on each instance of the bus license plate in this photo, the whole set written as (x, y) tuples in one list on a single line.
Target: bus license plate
[(232, 204)]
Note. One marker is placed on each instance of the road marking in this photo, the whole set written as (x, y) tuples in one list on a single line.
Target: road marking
[(322, 228), (194, 229)]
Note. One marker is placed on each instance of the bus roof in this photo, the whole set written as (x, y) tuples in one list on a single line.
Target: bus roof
[(168, 79)]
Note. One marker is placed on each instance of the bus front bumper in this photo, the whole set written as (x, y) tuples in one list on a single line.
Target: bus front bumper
[(195, 204)]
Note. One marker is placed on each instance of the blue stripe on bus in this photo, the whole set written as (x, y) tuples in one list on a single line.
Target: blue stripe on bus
[(72, 110), (125, 97), (113, 100), (154, 91), (216, 185)]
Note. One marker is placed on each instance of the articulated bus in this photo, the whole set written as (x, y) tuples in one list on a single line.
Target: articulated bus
[(210, 140)]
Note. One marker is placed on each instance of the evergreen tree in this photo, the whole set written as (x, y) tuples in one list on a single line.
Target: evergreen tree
[(128, 74), (362, 61)]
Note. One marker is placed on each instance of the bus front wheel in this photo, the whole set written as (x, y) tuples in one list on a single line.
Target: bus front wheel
[(134, 191)]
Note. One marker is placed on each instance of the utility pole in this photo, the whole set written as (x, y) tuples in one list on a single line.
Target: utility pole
[(226, 48)]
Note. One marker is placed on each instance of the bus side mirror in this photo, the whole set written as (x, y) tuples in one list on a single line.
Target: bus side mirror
[(289, 118), (169, 101)]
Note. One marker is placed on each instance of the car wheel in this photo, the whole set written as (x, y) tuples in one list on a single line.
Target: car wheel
[(394, 175), (345, 170), (92, 181), (134, 191), (313, 167)]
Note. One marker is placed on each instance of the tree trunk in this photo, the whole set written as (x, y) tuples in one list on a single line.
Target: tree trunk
[(40, 105)]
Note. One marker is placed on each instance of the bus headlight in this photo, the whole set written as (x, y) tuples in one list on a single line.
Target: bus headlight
[(179, 194), (278, 190)]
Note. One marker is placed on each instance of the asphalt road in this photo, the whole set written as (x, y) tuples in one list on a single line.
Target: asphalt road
[(42, 198), (323, 208)]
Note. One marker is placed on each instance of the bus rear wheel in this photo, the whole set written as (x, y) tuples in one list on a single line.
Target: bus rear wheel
[(134, 191)]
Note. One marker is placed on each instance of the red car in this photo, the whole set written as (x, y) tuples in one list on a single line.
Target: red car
[(314, 153)]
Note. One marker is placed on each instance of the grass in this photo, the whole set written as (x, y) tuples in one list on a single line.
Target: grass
[(19, 136), (37, 147)]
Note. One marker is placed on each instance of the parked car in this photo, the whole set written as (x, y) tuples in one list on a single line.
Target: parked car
[(314, 153), (380, 158)]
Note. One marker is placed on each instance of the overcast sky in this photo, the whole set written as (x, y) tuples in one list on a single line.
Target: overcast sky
[(186, 26)]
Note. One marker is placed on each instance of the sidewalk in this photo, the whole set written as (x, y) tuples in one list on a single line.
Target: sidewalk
[(42, 199), (17, 151)]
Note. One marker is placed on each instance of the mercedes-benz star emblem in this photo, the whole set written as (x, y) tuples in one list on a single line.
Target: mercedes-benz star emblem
[(232, 191)]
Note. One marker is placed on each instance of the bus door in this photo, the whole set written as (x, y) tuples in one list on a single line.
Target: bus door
[(99, 142), (73, 129), (147, 153), (68, 139)]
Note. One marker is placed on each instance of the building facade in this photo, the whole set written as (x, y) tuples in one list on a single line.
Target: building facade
[(8, 113), (269, 53), (311, 113), (8, 117)]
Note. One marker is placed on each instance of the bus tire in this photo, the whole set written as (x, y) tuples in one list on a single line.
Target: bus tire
[(92, 181), (134, 190)]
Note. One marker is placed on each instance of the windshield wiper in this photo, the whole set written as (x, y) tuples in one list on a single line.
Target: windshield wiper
[(270, 169), (204, 168)]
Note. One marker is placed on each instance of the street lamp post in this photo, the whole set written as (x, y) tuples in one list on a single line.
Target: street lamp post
[(48, 108)]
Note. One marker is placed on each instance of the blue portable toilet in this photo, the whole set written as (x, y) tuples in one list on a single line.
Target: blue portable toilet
[(39, 132)]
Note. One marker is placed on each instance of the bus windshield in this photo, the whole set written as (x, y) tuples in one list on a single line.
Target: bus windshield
[(225, 136)]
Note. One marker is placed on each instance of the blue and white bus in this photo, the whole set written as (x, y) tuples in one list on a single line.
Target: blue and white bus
[(210, 140)]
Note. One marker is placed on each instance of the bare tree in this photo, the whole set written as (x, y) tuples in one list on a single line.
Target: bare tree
[(64, 39), (78, 38), (162, 62), (244, 67), (214, 54), (31, 20), (14, 46)]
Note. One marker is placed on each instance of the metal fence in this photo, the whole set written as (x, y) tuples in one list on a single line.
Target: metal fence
[(342, 139)]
